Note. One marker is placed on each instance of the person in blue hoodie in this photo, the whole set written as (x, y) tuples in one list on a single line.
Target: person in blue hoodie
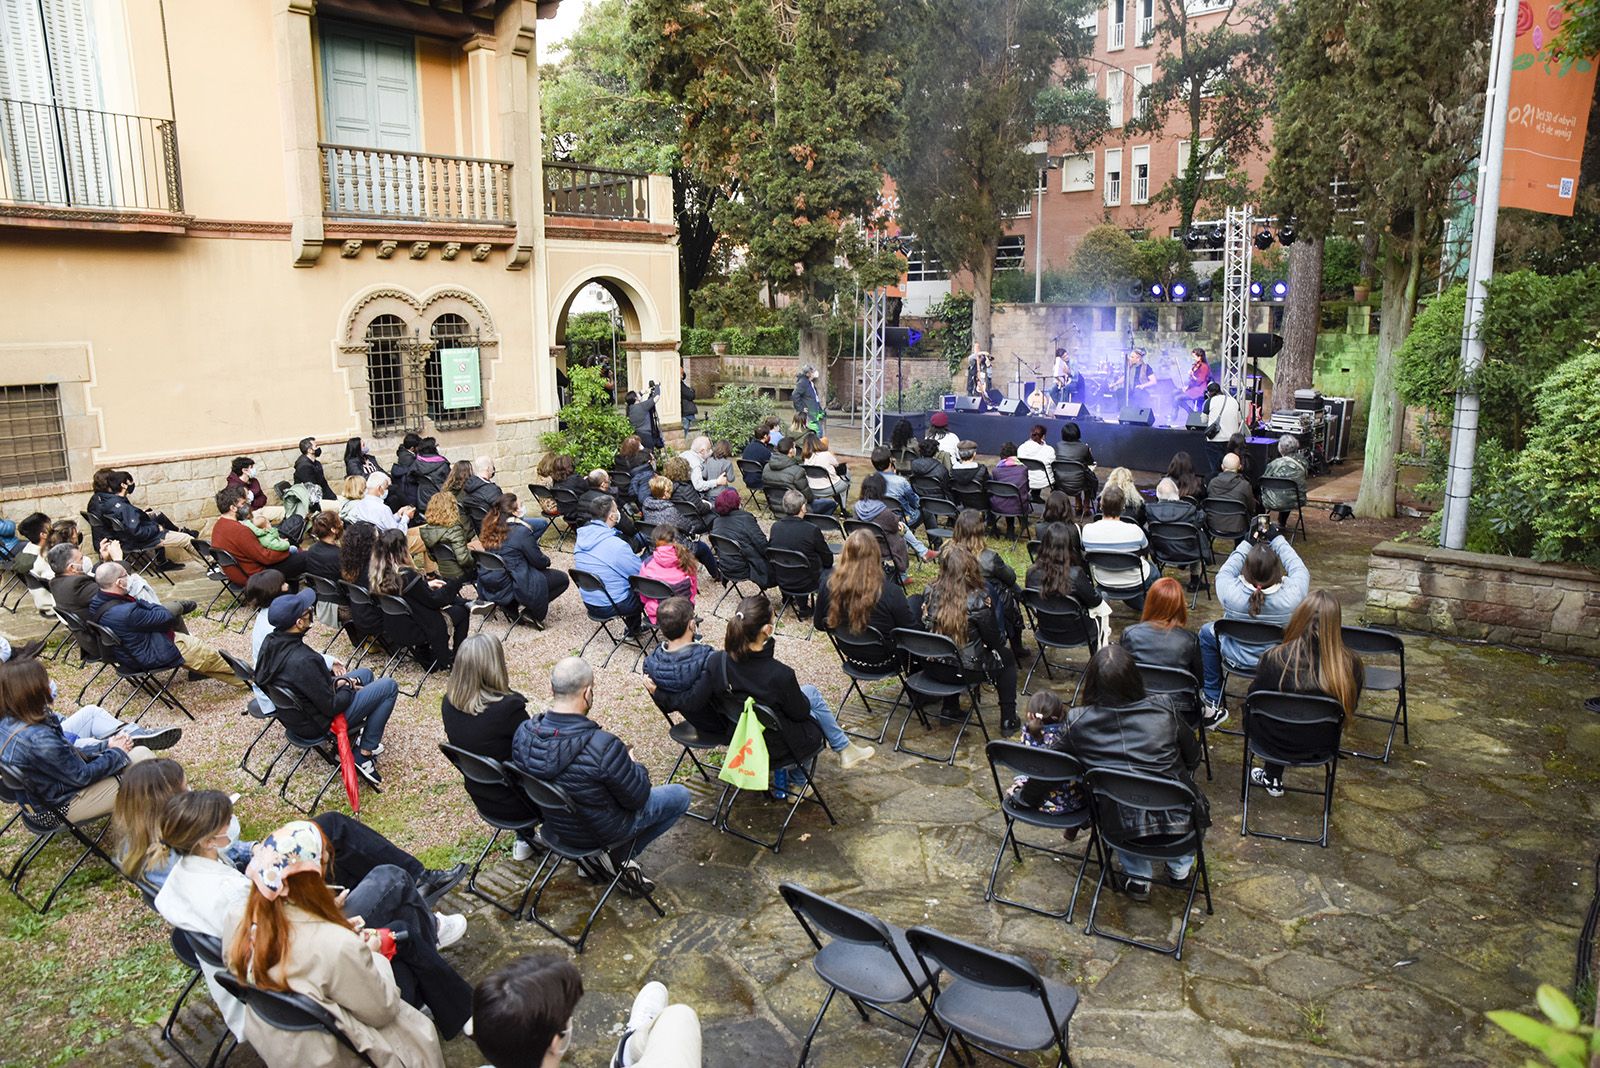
[(603, 553), (675, 665)]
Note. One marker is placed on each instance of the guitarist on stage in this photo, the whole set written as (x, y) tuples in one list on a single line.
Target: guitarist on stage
[(1138, 381)]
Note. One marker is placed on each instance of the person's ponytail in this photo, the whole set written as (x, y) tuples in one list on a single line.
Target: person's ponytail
[(743, 633)]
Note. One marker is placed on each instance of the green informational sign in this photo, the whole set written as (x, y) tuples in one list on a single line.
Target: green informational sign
[(459, 377)]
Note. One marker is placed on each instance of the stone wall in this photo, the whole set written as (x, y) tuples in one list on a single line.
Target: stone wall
[(1505, 600), (775, 375)]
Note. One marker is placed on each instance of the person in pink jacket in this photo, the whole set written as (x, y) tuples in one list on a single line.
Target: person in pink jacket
[(671, 562)]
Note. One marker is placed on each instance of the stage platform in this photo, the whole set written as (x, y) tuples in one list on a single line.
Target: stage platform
[(1140, 448)]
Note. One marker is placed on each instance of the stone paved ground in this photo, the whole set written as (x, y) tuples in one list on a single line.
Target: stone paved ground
[(1455, 881)]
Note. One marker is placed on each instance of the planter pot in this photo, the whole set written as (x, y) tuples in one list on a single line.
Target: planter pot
[(719, 348), (1361, 293)]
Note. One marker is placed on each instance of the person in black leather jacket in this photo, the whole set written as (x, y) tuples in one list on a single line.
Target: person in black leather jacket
[(958, 606), (1161, 639), (308, 469), (611, 792), (1059, 570)]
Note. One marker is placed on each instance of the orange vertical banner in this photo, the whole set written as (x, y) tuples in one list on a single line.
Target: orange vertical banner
[(1547, 117)]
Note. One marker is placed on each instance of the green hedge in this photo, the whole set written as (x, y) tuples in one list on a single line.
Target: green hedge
[(758, 341), (697, 341)]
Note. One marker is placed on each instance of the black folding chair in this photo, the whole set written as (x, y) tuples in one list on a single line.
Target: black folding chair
[(750, 470), (550, 508), (1297, 730), (1254, 633), (968, 493), (868, 961), (1119, 576), (1037, 467), (269, 719), (1226, 519), (1182, 546), (1058, 623), (403, 633), (45, 822), (489, 563), (657, 591), (868, 657), (589, 583), (797, 584), (773, 495), (890, 569), (832, 527), (927, 486), (81, 633), (827, 475), (730, 556), (330, 593), (11, 582), (1179, 686), (1072, 478), (285, 1010), (139, 560), (1005, 491), (483, 771), (692, 742), (801, 765), (156, 683), (931, 655), (939, 518), (548, 797), (215, 560), (1289, 486), (1112, 790), (193, 949), (325, 747), (1045, 765), (1388, 676), (366, 620), (991, 1000)]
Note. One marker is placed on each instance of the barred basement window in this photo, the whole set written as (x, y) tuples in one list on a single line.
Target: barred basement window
[(386, 373), (1011, 253), (450, 331), (33, 439)]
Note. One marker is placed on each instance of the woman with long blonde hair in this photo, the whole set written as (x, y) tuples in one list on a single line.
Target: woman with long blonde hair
[(1132, 499), (481, 714), (958, 606), (444, 524), (136, 819)]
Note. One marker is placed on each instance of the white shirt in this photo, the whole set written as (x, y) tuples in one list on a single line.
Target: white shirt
[(1045, 454), (372, 510), (950, 443), (197, 896), (697, 471), (1223, 409)]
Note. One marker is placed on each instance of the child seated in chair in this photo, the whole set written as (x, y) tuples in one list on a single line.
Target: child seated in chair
[(674, 666)]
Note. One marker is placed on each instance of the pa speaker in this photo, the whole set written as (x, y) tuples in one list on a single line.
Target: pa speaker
[(1070, 409), (971, 404), (1137, 416), (1009, 406), (1263, 346), (1196, 421)]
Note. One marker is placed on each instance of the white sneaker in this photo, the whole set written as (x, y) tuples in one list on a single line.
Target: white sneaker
[(1214, 715), (650, 1003), (452, 926), (853, 754), (1274, 787), (521, 850)]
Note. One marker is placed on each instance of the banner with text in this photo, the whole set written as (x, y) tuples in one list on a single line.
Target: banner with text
[(1548, 114), (459, 378)]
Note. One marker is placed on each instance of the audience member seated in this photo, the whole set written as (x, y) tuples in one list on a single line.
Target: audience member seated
[(263, 588), (782, 471), (1060, 571), (825, 474), (998, 575), (322, 555), (73, 591), (1036, 448), (676, 663), (603, 553), (523, 1015), (634, 458), (446, 525), (1010, 471), (110, 507), (958, 606), (740, 527), (759, 449), (610, 790), (480, 492), (308, 468), (243, 473), (903, 444), (481, 714), (250, 539), (1161, 638), (671, 562), (528, 584), (1190, 485), (358, 459), (1229, 484), (147, 632), (696, 455), (30, 560), (564, 476), (1312, 659), (870, 508), (897, 488), (286, 661), (373, 509), (691, 503), (1169, 507), (405, 457), (136, 822), (351, 492), (940, 433), (433, 602), (1292, 466), (1071, 447), (428, 471), (791, 531), (76, 774), (1118, 727), (1263, 579), (856, 596), (355, 559), (965, 474), (1058, 508), (934, 464), (1132, 500), (1110, 534), (1042, 723)]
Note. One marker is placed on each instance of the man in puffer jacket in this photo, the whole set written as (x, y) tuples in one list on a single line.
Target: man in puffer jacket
[(611, 793), (783, 471), (675, 665)]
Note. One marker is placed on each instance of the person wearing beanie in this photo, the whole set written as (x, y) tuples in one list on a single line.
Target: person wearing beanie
[(939, 430), (740, 527)]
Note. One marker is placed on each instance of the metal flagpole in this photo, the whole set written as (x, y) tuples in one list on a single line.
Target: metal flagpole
[(1491, 150)]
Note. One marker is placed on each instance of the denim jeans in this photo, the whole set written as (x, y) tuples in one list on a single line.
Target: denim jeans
[(370, 709), (1141, 867), (388, 897), (824, 717), (823, 506), (1211, 659), (536, 523), (663, 808), (912, 542), (91, 724)]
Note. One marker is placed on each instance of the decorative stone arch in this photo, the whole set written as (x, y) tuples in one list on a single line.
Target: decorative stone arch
[(418, 314), (648, 358)]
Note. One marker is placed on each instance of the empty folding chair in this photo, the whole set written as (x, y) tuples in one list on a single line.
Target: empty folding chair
[(548, 797), (991, 1000), (868, 657), (1058, 623), (1182, 688), (796, 580), (1182, 546), (1113, 793), (483, 772), (937, 675), (589, 583), (1285, 486), (288, 1011), (1295, 730), (868, 961), (269, 719), (800, 789), (1381, 674), (46, 822), (1039, 765)]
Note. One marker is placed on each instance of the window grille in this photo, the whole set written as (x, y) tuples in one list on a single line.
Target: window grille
[(386, 373), (33, 439)]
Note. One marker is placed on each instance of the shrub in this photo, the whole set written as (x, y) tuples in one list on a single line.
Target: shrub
[(740, 342), (1341, 268), (954, 316), (1106, 263), (697, 341), (737, 413), (591, 425), (922, 396), (1012, 287), (776, 341), (1560, 467)]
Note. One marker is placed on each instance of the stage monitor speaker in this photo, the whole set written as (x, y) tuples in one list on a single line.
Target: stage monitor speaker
[(971, 404), (948, 402), (1262, 346), (1069, 409), (1009, 406), (1196, 421), (1131, 416)]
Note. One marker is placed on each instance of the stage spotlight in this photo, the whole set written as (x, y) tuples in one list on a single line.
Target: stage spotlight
[(1280, 290), (1193, 238), (1264, 239), (1180, 292), (1286, 236), (1255, 290), (1202, 291), (1157, 292)]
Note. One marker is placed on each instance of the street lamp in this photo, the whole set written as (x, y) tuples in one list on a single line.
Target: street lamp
[(1041, 151)]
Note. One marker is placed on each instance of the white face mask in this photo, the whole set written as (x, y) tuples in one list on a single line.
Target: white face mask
[(250, 474), (52, 691), (232, 833)]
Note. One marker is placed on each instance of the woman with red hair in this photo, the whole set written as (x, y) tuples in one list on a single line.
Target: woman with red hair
[(1161, 639)]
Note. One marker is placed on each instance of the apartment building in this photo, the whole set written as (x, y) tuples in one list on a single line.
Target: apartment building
[(228, 226)]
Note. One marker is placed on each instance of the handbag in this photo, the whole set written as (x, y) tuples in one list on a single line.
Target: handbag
[(746, 766)]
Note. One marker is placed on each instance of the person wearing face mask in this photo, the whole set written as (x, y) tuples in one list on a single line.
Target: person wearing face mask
[(522, 1017), (113, 513), (528, 584), (243, 473), (308, 469), (807, 401), (250, 539), (91, 726)]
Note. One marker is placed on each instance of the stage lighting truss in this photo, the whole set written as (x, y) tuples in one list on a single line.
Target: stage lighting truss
[(1236, 294)]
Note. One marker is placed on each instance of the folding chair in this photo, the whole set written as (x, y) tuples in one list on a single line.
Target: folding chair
[(890, 570), (1182, 546), (1285, 485), (1111, 790), (194, 950), (325, 747), (330, 593), (79, 628), (1297, 730), (550, 508), (245, 674), (692, 742), (750, 471), (933, 651), (791, 569), (403, 634), (548, 797), (832, 527), (868, 657), (1037, 467), (1386, 677), (990, 1000), (729, 556), (1119, 576), (773, 495), (157, 683), (366, 619), (1005, 491), (31, 582), (939, 518), (589, 583), (288, 1011), (12, 580), (1072, 478), (1225, 519), (657, 591), (484, 771), (215, 560), (867, 960), (968, 493), (1045, 765), (138, 560), (1249, 632), (489, 563), (1058, 623), (45, 821), (801, 765), (827, 475), (693, 518), (1162, 681), (928, 486)]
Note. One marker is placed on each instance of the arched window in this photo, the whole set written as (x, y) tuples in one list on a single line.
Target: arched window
[(386, 374), (453, 372)]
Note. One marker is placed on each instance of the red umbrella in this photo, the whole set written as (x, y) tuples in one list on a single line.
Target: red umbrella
[(347, 760)]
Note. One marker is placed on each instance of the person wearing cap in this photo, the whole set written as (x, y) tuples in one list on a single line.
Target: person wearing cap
[(286, 662), (939, 424), (741, 528)]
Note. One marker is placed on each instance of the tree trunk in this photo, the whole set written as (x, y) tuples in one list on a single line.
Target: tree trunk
[(983, 297), (814, 350), (1298, 358), (1402, 274)]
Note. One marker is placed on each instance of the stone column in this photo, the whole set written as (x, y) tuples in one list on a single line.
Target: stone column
[(297, 106), (517, 73), (480, 51)]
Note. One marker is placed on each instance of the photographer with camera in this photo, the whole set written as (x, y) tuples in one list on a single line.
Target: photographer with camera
[(1263, 580), (642, 414)]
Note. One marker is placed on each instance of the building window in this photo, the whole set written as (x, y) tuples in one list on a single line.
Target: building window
[(1147, 21), (450, 331), (386, 373), (1077, 173), (33, 439), (1011, 253), (1114, 97), (924, 265), (1216, 166), (1116, 25), (1113, 184), (1141, 175), (1141, 88)]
